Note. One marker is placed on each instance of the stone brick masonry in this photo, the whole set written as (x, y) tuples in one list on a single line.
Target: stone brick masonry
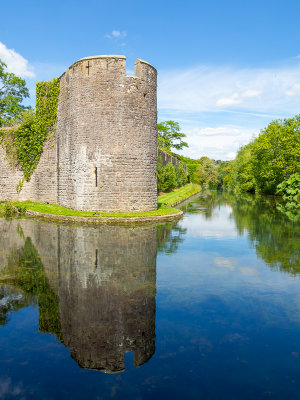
[(104, 155)]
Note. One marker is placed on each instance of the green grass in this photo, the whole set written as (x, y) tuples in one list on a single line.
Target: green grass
[(179, 195), (163, 209)]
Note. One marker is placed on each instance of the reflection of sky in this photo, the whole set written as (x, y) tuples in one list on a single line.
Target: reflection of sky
[(218, 225), (213, 261)]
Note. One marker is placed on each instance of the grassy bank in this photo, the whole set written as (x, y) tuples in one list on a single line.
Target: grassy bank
[(179, 195), (164, 206)]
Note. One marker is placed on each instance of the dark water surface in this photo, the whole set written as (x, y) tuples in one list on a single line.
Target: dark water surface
[(207, 308)]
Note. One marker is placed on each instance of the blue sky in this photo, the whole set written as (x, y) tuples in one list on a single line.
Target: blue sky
[(225, 68)]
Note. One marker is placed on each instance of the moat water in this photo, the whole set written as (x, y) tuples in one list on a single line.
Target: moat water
[(205, 308)]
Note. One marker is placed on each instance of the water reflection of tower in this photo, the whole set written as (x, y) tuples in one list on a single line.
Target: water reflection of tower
[(106, 288)]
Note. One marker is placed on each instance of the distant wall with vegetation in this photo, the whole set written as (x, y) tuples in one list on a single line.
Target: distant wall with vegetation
[(28, 151), (164, 158), (171, 172)]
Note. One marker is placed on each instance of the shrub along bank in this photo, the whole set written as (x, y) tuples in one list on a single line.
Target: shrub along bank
[(170, 177)]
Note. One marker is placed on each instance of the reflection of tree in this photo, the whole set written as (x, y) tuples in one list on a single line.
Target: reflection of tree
[(276, 239), (11, 299), (25, 271), (169, 236), (291, 209), (205, 203)]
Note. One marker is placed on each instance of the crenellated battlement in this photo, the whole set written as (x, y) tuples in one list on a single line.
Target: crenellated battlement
[(110, 64)]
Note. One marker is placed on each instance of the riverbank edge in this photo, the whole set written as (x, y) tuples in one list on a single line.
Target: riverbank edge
[(118, 220), (126, 221)]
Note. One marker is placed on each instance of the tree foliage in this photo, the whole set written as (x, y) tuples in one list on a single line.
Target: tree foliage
[(169, 136), (206, 173), (181, 177), (269, 159), (276, 153), (242, 175), (12, 92), (170, 177), (290, 190)]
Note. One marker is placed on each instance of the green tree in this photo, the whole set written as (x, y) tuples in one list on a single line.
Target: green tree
[(224, 171), (206, 173), (242, 175), (169, 136), (276, 153), (12, 92), (169, 178), (181, 177)]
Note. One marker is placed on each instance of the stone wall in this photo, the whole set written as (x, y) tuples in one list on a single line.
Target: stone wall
[(104, 156), (165, 158), (43, 183), (106, 135)]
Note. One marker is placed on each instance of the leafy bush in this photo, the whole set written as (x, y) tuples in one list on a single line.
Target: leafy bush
[(192, 168), (181, 177), (269, 159), (11, 210), (169, 178), (206, 173), (290, 190)]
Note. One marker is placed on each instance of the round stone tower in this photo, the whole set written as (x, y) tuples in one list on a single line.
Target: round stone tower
[(106, 136)]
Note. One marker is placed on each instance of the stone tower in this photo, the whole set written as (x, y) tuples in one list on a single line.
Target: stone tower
[(106, 136)]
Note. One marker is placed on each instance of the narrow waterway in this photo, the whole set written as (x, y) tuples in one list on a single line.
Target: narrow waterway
[(206, 308)]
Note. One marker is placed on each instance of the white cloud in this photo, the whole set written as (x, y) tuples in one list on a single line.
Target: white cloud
[(226, 262), (251, 93), (229, 101), (219, 131), (222, 108), (294, 91), (116, 34), (208, 88), (220, 142), (15, 62), (237, 98)]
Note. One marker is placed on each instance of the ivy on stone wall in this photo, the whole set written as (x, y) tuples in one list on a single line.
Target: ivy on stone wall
[(24, 144)]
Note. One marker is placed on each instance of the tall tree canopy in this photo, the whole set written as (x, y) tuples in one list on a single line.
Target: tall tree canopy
[(169, 136), (269, 159), (12, 92)]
